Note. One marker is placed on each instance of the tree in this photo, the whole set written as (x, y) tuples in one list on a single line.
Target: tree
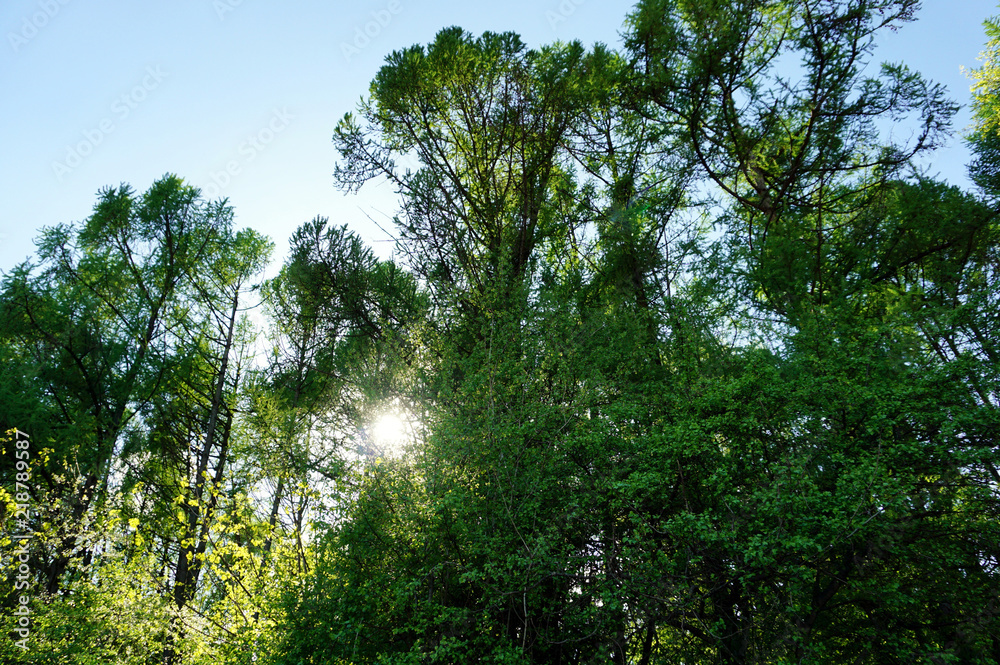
[(487, 227), (829, 240), (210, 391), (340, 317), (130, 340), (705, 371), (797, 146), (750, 446), (91, 330), (485, 118)]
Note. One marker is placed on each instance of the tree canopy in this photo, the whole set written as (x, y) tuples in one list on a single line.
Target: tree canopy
[(683, 360)]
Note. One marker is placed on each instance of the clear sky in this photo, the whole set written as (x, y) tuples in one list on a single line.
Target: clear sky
[(240, 97)]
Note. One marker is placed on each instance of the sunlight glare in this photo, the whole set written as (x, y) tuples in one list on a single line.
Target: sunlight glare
[(390, 429)]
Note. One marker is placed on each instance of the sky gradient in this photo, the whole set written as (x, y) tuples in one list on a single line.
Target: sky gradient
[(241, 97)]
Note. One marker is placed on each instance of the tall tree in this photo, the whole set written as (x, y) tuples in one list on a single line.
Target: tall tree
[(132, 335), (90, 326), (846, 480), (776, 103), (340, 319), (739, 447), (496, 226)]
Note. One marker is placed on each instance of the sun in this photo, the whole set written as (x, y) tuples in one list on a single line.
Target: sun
[(389, 429), (390, 434)]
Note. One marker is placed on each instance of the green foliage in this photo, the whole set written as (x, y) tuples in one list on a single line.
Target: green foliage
[(659, 445), (697, 369)]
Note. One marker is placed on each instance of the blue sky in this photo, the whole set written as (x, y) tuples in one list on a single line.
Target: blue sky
[(240, 97)]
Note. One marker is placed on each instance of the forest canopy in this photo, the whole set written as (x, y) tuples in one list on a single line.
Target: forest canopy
[(681, 358)]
